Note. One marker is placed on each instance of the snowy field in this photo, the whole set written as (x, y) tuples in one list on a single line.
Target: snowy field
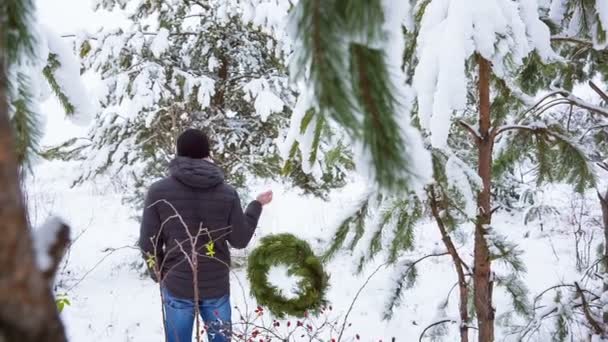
[(112, 301)]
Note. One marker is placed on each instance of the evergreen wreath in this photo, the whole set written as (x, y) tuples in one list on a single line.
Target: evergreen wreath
[(296, 254)]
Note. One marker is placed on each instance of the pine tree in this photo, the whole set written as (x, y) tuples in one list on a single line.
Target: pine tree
[(51, 69), (472, 70), (189, 64)]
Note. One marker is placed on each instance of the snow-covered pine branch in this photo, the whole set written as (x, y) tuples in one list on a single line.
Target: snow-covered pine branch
[(180, 66)]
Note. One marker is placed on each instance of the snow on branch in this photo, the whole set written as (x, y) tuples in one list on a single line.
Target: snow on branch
[(563, 97), (568, 39), (50, 241), (63, 74)]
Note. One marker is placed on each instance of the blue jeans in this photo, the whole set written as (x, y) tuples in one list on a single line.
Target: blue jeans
[(179, 318)]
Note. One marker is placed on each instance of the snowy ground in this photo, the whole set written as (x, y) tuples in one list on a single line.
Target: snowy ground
[(112, 301)]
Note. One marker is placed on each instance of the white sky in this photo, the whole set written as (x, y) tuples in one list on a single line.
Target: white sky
[(71, 16)]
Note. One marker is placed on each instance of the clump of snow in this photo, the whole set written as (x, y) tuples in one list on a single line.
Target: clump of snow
[(538, 31), (557, 10), (305, 139), (213, 63), (502, 31), (465, 180), (206, 90), (44, 238), (69, 79), (279, 277), (160, 43), (266, 101)]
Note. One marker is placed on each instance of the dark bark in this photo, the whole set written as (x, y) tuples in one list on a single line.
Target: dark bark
[(604, 206), (458, 264), (482, 270), (28, 311), (597, 328), (219, 99), (56, 251)]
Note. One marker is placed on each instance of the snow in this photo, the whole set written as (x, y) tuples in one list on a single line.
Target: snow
[(69, 79), (601, 6), (537, 30), (213, 63), (303, 104), (502, 31), (100, 296), (44, 238), (160, 43), (557, 10), (278, 276), (465, 180), (266, 101)]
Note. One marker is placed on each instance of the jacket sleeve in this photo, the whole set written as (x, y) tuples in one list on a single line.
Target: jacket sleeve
[(243, 224), (150, 237)]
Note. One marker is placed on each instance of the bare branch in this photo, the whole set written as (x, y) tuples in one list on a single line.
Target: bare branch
[(573, 40), (352, 304), (434, 325), (596, 326), (599, 91), (471, 130)]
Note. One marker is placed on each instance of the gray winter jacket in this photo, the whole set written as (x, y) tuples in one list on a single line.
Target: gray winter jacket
[(211, 210)]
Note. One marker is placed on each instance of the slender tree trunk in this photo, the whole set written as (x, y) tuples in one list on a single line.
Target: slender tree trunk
[(483, 282), (604, 205), (27, 309), (459, 265)]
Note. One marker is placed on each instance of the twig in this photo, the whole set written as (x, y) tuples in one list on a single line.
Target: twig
[(596, 326), (352, 304), (599, 91), (96, 265), (574, 40), (471, 130), (433, 325)]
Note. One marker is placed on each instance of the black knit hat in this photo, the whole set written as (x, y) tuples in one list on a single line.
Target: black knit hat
[(193, 143)]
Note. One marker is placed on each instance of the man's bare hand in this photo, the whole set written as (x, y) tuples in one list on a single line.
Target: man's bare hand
[(265, 197)]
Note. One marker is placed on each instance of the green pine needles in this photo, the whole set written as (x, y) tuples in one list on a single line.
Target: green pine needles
[(296, 254), (49, 74), (16, 39), (25, 122), (337, 56)]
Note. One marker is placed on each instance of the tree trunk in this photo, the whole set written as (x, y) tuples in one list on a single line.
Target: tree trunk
[(483, 282), (459, 265), (604, 205), (27, 310)]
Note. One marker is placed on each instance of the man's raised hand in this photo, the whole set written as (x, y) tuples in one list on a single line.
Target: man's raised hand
[(265, 197)]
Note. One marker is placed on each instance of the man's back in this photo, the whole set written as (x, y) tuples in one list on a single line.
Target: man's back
[(196, 196)]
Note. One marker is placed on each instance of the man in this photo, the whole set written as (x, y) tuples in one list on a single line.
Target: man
[(211, 211)]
